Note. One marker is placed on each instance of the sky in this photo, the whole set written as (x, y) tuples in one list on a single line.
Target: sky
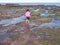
[(29, 1)]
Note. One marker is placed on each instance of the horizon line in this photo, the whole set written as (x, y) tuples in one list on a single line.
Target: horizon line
[(29, 2)]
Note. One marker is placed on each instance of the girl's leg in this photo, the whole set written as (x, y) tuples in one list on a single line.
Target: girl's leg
[(27, 21)]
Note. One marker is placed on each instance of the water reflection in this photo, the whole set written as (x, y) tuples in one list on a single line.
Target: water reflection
[(3, 36), (12, 21), (14, 34), (53, 24)]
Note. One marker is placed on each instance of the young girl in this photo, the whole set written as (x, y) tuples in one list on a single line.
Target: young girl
[(27, 14)]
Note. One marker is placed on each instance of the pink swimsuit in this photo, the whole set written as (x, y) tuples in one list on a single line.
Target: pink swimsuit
[(27, 14)]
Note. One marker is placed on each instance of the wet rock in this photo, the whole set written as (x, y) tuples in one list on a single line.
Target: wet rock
[(7, 40), (32, 25), (2, 31), (36, 10), (15, 43)]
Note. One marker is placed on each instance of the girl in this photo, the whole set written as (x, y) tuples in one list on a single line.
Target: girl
[(27, 14)]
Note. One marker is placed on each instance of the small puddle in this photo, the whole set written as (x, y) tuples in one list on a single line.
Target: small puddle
[(46, 14)]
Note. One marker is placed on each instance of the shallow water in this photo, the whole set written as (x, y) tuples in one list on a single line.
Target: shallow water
[(8, 22), (3, 36), (53, 24), (12, 21), (46, 14)]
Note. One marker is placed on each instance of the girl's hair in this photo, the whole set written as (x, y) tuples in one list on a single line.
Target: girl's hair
[(27, 10)]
